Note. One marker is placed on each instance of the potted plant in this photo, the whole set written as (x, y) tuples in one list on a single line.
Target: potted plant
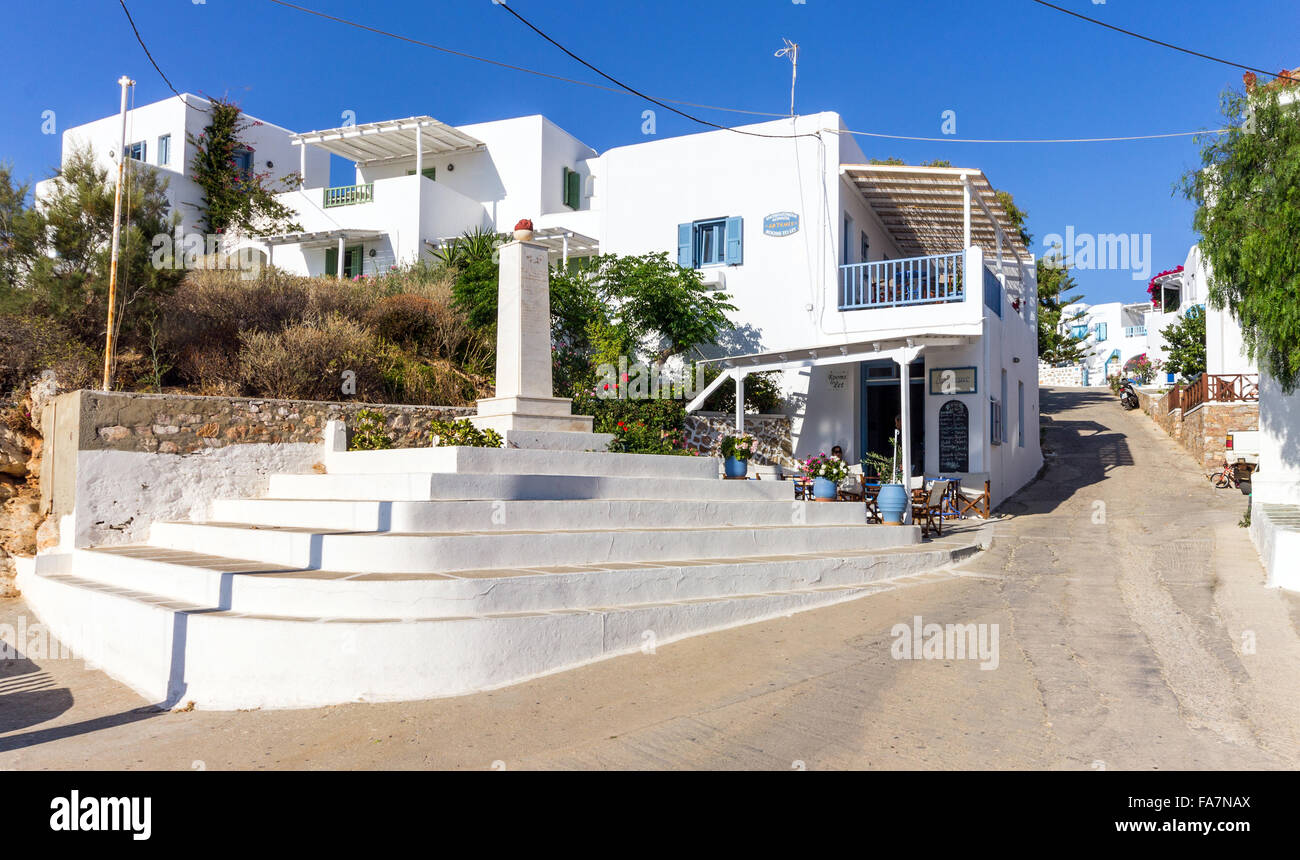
[(827, 471), (737, 450), (524, 230), (892, 500)]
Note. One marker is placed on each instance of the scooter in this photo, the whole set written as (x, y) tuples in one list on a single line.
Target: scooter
[(1128, 396)]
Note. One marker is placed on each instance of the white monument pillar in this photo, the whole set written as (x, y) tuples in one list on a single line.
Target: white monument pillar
[(524, 409)]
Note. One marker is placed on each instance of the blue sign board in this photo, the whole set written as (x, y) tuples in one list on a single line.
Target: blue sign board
[(781, 224)]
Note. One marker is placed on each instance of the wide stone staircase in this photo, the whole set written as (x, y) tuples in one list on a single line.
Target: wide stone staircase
[(430, 572)]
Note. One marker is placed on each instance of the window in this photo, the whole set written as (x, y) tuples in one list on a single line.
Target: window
[(848, 234), (165, 149), (1079, 332), (244, 161), (137, 151), (1020, 408), (572, 189), (712, 242), (427, 173), (1101, 331), (995, 422), (352, 261), (866, 248)]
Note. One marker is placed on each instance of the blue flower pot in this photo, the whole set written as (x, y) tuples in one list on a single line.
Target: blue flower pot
[(823, 489), (733, 468), (891, 503)]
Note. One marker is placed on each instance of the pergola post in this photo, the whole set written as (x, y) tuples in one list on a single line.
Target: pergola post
[(302, 165), (740, 403), (965, 211), (338, 268), (905, 428), (419, 150)]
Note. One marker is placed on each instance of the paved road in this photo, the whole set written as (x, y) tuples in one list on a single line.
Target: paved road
[(1134, 632)]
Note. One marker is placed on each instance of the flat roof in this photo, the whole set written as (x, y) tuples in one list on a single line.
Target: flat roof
[(923, 208), (389, 140)]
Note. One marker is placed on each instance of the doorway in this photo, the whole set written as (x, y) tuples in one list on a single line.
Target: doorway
[(351, 261), (880, 409)]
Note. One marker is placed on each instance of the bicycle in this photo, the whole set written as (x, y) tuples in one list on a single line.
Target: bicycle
[(1226, 477)]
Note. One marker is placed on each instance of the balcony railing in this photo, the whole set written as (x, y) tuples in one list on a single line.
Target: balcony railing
[(349, 195), (1215, 388), (1135, 331), (899, 283)]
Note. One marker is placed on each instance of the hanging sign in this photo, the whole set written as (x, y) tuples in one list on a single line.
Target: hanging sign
[(781, 224), (952, 380)]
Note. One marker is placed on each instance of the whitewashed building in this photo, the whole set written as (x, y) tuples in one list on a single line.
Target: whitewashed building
[(159, 138), (858, 282)]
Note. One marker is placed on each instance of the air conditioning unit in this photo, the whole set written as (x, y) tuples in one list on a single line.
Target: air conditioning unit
[(715, 278)]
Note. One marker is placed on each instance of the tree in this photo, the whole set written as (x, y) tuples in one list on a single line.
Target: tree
[(12, 208), (1017, 216), (1186, 341), (1056, 345), (1248, 215), (236, 198), (644, 307), (63, 247)]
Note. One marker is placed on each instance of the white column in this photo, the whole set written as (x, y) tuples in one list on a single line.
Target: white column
[(740, 402), (564, 257), (524, 322), (338, 269), (965, 199), (905, 428), (419, 150), (302, 165)]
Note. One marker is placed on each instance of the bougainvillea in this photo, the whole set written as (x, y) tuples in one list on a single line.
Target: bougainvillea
[(1153, 288)]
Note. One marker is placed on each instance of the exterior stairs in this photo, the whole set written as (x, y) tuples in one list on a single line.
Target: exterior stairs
[(432, 572)]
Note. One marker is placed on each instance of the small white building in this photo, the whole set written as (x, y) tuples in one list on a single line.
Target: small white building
[(158, 137), (1109, 334)]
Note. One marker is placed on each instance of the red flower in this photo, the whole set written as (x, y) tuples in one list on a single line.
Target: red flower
[(524, 224)]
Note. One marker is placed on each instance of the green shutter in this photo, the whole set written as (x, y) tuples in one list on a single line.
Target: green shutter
[(572, 189), (331, 261)]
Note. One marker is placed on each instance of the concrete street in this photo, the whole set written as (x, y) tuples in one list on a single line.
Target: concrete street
[(1134, 632)]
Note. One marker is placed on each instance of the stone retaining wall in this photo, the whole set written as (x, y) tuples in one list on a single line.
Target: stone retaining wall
[(772, 438), (114, 462), (183, 424), (1204, 430)]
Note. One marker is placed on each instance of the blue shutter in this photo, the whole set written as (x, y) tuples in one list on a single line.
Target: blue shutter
[(735, 241), (685, 236)]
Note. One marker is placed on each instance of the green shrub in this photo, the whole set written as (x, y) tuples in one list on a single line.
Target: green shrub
[(462, 433), (738, 447), (637, 437), (370, 433)]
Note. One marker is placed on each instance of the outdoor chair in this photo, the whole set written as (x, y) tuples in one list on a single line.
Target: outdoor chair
[(927, 507), (869, 494), (974, 502)]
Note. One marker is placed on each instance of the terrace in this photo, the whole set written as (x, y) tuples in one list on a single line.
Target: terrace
[(936, 215)]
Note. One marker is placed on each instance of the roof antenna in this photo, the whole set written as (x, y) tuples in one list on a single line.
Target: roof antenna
[(791, 50)]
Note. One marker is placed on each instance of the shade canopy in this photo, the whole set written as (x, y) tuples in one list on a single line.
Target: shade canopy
[(321, 238), (924, 208), (390, 140)]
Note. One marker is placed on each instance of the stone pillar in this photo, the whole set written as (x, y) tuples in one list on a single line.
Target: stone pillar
[(524, 410)]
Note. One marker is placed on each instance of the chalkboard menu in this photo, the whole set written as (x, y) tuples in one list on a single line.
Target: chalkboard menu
[(954, 437)]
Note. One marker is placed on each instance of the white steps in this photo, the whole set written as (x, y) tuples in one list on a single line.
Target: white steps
[(431, 572)]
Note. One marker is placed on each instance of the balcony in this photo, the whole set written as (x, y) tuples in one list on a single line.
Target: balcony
[(1135, 331), (911, 281), (348, 195)]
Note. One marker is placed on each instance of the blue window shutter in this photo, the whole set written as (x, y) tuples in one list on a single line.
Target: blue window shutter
[(685, 239), (735, 241)]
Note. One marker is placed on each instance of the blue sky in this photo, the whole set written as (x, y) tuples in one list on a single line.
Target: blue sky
[(1008, 68)]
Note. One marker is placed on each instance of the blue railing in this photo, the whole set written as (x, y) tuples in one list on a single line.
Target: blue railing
[(898, 283), (1135, 331)]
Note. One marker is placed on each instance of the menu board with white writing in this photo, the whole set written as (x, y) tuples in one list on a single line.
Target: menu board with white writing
[(954, 437)]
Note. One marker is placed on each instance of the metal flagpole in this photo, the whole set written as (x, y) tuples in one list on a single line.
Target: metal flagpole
[(125, 83)]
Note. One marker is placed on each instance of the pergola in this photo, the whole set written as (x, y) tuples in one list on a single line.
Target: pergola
[(559, 242), (391, 140), (320, 239), (902, 350), (929, 211)]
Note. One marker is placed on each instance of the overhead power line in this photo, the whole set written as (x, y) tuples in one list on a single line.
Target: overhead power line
[(145, 48), (1164, 44)]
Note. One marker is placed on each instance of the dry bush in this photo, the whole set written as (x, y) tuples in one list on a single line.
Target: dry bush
[(32, 344), (307, 361)]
